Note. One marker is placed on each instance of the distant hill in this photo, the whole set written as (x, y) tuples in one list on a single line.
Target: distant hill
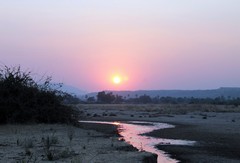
[(227, 92), (71, 90)]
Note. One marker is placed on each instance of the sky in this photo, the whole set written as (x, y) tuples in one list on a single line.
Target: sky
[(148, 44)]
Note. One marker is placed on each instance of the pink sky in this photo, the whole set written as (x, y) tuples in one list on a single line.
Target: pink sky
[(154, 44)]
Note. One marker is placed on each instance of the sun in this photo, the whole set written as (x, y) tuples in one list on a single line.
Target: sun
[(116, 79)]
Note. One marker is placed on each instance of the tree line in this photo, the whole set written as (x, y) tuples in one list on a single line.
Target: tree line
[(109, 97)]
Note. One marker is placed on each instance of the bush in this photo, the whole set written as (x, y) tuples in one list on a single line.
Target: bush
[(23, 100)]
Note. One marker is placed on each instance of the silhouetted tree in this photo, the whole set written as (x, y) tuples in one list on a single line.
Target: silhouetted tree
[(104, 97)]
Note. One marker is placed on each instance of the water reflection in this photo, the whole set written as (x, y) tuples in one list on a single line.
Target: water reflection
[(133, 133)]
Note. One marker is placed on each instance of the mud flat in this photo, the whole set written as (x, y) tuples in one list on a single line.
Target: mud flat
[(217, 134)]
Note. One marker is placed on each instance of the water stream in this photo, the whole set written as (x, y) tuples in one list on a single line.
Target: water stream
[(133, 133)]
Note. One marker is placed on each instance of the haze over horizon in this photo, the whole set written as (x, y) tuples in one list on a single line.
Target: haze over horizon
[(125, 45)]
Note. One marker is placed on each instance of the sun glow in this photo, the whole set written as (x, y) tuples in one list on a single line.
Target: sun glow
[(117, 80)]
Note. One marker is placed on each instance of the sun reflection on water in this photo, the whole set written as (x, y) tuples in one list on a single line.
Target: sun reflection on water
[(116, 123)]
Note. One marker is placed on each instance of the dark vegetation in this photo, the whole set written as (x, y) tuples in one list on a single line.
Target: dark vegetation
[(103, 97), (23, 100)]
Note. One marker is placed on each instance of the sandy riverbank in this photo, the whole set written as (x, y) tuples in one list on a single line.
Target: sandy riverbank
[(215, 128), (62, 143)]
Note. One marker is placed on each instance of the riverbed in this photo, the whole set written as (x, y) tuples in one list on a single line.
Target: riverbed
[(133, 132)]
